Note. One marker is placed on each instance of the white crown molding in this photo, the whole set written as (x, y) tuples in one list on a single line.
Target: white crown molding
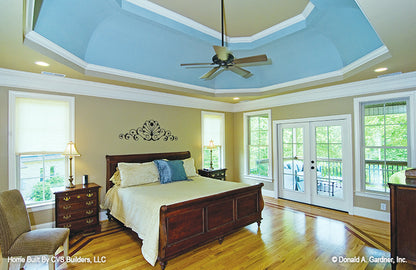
[(398, 82), (175, 17), (59, 54), (366, 61), (43, 45), (213, 33), (33, 81)]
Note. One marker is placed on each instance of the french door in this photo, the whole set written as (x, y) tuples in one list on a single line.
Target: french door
[(314, 162)]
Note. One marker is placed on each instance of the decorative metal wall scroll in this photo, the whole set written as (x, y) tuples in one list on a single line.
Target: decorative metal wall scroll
[(150, 131)]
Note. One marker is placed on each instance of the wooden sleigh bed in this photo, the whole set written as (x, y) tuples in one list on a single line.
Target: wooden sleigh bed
[(186, 225)]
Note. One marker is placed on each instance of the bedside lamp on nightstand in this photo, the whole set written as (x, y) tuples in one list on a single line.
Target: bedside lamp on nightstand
[(210, 147), (70, 152)]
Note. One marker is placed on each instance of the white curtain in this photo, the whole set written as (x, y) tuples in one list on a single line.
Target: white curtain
[(41, 125)]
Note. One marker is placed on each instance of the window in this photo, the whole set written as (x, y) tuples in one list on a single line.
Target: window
[(257, 144), (213, 129), (385, 141), (40, 127)]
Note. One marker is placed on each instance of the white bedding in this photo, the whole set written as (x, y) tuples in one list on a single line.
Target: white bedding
[(138, 206)]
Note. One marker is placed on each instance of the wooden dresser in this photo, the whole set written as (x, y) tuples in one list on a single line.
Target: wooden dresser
[(77, 208), (403, 220)]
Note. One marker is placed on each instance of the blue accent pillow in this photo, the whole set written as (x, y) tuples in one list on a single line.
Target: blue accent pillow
[(165, 174), (170, 170)]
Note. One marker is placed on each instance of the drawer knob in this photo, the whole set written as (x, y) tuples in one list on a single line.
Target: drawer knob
[(78, 196), (66, 207), (67, 226), (89, 195), (89, 203), (89, 221), (89, 212), (67, 216), (67, 198)]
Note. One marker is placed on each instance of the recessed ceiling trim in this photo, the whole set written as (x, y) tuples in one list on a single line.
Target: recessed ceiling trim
[(34, 81), (206, 30), (401, 82), (39, 82), (377, 55), (50, 49), (59, 54)]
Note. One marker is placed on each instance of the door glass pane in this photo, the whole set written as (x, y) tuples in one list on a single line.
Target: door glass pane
[(293, 177), (329, 161)]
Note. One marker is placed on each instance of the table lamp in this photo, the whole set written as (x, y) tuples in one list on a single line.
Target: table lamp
[(70, 152)]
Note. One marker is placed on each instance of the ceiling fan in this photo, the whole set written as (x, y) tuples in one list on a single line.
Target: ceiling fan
[(225, 60)]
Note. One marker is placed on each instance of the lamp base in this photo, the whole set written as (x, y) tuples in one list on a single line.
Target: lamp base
[(70, 185)]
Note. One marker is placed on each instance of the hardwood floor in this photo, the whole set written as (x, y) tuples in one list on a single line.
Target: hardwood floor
[(291, 236)]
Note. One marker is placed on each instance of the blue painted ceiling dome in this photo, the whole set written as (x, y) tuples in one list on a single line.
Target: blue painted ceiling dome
[(122, 40)]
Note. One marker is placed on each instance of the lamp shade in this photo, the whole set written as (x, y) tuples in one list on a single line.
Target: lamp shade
[(211, 144), (71, 151)]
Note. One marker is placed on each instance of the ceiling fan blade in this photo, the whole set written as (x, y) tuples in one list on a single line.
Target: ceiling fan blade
[(208, 75), (196, 64), (251, 59), (222, 52), (240, 71)]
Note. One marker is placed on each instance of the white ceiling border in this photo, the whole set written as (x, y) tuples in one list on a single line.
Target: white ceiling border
[(399, 82), (34, 81), (40, 82), (213, 33)]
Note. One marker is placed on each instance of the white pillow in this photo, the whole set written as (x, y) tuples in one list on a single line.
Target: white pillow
[(133, 174), (116, 178), (189, 166)]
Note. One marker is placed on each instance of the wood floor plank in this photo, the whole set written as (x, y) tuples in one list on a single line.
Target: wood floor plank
[(291, 236)]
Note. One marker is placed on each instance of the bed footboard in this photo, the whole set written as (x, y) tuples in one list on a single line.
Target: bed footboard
[(186, 225)]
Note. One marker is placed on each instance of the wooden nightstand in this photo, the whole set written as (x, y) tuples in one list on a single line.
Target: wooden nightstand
[(216, 173), (77, 208)]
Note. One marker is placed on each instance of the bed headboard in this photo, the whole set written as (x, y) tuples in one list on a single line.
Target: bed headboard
[(113, 160)]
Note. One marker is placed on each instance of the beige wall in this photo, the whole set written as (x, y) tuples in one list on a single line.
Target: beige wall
[(98, 123)]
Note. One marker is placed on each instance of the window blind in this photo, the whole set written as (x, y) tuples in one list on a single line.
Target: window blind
[(41, 126), (213, 129)]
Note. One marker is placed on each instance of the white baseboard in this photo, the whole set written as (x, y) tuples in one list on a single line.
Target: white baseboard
[(268, 193), (374, 214)]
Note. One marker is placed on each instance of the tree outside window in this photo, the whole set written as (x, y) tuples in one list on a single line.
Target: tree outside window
[(385, 142), (258, 144)]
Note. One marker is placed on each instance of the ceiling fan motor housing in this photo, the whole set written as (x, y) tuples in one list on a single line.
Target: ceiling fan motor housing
[(227, 62)]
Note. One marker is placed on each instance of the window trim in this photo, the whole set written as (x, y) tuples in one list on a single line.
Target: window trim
[(359, 182), (246, 161), (13, 181), (222, 151)]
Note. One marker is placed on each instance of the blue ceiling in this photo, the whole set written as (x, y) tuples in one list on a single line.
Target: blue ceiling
[(124, 36)]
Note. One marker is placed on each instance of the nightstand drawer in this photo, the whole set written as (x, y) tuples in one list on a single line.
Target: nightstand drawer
[(70, 197), (74, 215), (81, 224), (76, 205)]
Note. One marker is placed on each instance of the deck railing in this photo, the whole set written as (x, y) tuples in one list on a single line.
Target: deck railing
[(377, 173)]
